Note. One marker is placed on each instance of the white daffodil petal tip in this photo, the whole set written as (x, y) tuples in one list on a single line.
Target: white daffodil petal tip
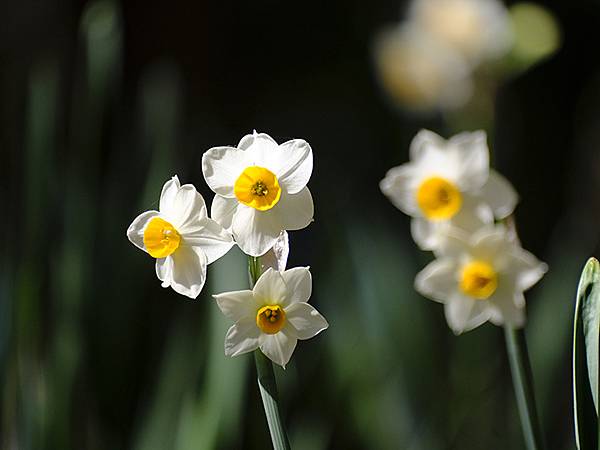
[(261, 189), (273, 316), (480, 277), (181, 238)]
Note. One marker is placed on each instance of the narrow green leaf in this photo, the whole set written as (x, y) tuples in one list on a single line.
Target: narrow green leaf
[(585, 356)]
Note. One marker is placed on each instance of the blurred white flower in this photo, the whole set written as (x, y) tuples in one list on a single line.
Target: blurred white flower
[(272, 316), (261, 189), (420, 73), (182, 238), (480, 278), (477, 29), (448, 183)]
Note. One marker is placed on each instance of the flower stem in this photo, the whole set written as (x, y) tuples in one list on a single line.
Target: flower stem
[(520, 368), (266, 379)]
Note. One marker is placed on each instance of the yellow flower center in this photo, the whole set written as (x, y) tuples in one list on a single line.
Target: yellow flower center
[(257, 187), (438, 198), (478, 280), (270, 319), (161, 238)]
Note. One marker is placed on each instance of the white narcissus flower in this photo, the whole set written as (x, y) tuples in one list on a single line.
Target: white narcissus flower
[(272, 316), (477, 29), (261, 189), (448, 183), (182, 238), (480, 278)]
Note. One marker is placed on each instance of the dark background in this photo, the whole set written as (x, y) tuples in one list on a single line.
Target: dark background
[(100, 103)]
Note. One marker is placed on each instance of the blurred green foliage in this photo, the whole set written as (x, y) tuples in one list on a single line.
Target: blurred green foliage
[(95, 355)]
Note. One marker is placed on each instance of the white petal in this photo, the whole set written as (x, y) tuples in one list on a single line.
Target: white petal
[(277, 257), (259, 142), (270, 289), (295, 211), (399, 185), (135, 232), (454, 243), (299, 284), (297, 169), (255, 231), (278, 347), (211, 237), (305, 319), (473, 214), (526, 268), (164, 270), (223, 209), (189, 271), (260, 149), (186, 208), (438, 280), (169, 191), (243, 337), (491, 244), (473, 155), (422, 140), (221, 167), (508, 312), (464, 314), (237, 305), (500, 195), (426, 233)]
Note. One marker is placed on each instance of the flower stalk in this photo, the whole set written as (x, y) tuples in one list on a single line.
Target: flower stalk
[(520, 367), (266, 379)]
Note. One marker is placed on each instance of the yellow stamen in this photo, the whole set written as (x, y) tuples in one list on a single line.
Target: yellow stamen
[(160, 238), (478, 280), (270, 319), (438, 198), (257, 187)]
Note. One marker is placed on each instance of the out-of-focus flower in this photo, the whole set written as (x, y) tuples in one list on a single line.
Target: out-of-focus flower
[(420, 73), (537, 33), (480, 278), (448, 183), (261, 189), (477, 29), (272, 316), (182, 238)]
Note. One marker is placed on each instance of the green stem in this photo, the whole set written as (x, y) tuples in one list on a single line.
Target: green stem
[(520, 368), (266, 379)]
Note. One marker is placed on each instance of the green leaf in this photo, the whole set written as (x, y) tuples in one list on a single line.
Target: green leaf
[(585, 356)]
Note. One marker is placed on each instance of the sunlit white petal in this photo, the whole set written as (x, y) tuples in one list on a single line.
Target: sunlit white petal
[(135, 232), (500, 195), (306, 320), (278, 347), (237, 304), (295, 211), (296, 171), (221, 167), (255, 231), (222, 210), (189, 271), (242, 337), (270, 289), (298, 283), (211, 237)]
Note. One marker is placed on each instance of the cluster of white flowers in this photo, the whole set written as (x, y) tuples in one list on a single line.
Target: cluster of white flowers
[(261, 192), (426, 62), (457, 204)]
